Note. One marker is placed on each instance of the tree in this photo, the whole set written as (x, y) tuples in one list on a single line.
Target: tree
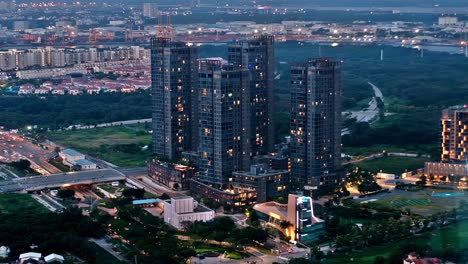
[(21, 164), (423, 180), (134, 193), (431, 177), (301, 261), (249, 235), (66, 193), (379, 260), (252, 217), (342, 191), (285, 224), (363, 180)]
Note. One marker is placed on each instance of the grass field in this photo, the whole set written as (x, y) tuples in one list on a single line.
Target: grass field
[(369, 150), (421, 202), (454, 236), (59, 166), (392, 164), (12, 202), (109, 143)]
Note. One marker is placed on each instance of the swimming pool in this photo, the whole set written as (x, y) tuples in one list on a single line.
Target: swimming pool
[(448, 194)]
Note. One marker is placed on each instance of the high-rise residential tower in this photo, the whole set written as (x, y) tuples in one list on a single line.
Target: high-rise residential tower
[(174, 75), (257, 55), (150, 10), (455, 134), (223, 121), (316, 122)]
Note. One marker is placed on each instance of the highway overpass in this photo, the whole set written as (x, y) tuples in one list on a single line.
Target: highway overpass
[(61, 180)]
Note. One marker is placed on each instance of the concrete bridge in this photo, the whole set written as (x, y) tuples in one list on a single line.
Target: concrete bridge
[(37, 183)]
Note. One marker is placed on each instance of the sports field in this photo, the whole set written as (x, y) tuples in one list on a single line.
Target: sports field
[(421, 202)]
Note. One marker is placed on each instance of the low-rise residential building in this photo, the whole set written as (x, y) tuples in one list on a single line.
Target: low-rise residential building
[(275, 161), (34, 257), (85, 164), (185, 209), (175, 176), (441, 169), (269, 184), (4, 251), (42, 90), (26, 89), (235, 198), (30, 257), (75, 91), (75, 159), (54, 258)]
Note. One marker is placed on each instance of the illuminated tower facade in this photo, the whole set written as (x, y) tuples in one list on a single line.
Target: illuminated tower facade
[(223, 121), (257, 55), (316, 122), (174, 74), (455, 134)]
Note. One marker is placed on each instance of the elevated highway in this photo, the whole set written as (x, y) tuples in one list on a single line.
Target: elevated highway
[(37, 183)]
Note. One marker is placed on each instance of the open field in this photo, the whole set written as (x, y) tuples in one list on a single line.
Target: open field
[(421, 202), (452, 237), (373, 149), (121, 145), (100, 136), (392, 164), (10, 203)]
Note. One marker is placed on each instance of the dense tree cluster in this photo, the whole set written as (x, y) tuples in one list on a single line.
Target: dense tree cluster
[(67, 232), (21, 164), (66, 193), (363, 180), (61, 111), (388, 226), (224, 229), (134, 193), (147, 237), (372, 234)]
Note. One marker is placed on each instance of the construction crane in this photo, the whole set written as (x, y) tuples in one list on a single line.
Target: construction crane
[(165, 30), (129, 34)]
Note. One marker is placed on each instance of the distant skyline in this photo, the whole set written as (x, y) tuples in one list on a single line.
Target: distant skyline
[(357, 3)]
